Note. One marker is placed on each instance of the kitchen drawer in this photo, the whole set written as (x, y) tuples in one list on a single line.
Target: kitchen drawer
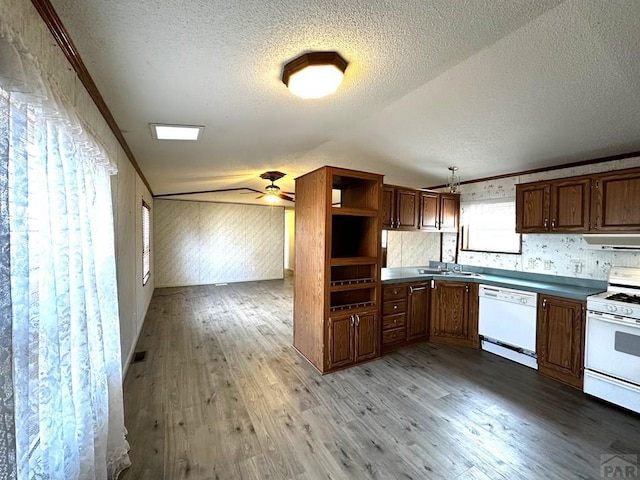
[(394, 292), (394, 336), (393, 321), (395, 306)]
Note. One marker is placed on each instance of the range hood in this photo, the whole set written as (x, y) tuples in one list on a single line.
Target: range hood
[(613, 241)]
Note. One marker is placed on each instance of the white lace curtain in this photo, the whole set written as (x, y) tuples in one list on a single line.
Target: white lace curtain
[(61, 408)]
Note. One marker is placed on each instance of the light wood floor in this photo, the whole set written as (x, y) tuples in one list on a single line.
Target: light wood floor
[(223, 395)]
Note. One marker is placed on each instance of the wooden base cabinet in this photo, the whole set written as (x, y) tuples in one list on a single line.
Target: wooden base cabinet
[(353, 338), (454, 313), (405, 314), (394, 316), (560, 339), (418, 317)]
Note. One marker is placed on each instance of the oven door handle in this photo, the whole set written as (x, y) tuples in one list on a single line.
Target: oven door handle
[(607, 317)]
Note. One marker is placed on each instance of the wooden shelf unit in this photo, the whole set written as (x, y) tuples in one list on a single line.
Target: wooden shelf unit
[(337, 267)]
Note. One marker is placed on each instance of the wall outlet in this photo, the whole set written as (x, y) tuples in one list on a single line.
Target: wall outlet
[(576, 266), (547, 264), (531, 264)]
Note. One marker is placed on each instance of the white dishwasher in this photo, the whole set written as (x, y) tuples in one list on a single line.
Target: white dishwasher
[(507, 323)]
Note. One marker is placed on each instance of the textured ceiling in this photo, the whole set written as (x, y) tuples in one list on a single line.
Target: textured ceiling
[(488, 85)]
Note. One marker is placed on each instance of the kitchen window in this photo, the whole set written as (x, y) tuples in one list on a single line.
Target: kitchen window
[(490, 226), (146, 243)]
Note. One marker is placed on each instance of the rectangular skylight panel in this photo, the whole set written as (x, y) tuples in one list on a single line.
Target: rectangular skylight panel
[(176, 132)]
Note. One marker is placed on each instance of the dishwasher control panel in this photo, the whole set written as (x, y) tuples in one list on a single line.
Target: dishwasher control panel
[(509, 295)]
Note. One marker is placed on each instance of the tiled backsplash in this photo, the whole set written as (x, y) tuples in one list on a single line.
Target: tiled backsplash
[(405, 249), (554, 254)]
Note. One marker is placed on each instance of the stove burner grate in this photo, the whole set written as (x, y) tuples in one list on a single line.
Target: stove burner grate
[(624, 297)]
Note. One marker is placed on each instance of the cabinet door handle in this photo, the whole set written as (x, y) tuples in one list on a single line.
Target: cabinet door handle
[(357, 320), (466, 288), (544, 303), (395, 307), (433, 284), (546, 223), (352, 320), (553, 224)]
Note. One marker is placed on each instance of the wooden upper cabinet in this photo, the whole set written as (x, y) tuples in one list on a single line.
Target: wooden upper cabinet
[(449, 212), (553, 206), (429, 211), (615, 201), (388, 207), (560, 339), (439, 212), (406, 209), (411, 209), (569, 206), (532, 207), (399, 208), (602, 202)]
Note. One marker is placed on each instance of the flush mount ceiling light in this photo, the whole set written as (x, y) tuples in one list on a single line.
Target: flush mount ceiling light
[(314, 74), (161, 131), (453, 182)]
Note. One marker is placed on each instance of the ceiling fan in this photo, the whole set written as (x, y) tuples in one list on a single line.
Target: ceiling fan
[(271, 192)]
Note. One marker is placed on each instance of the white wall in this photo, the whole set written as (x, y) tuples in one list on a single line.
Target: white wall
[(289, 238), (127, 187), (560, 250), (199, 243), (128, 191)]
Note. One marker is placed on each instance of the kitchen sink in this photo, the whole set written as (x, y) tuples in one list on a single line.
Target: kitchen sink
[(427, 271)]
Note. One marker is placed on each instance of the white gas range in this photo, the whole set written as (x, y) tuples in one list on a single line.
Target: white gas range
[(612, 343)]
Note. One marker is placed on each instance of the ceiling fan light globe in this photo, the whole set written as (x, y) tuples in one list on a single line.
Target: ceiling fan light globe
[(272, 198)]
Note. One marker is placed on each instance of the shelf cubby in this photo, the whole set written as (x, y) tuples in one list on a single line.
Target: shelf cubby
[(354, 192), (347, 276), (350, 299), (354, 236)]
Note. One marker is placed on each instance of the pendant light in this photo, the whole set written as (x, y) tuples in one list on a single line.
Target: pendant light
[(453, 182)]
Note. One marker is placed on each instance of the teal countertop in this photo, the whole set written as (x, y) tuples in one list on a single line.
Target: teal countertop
[(567, 287)]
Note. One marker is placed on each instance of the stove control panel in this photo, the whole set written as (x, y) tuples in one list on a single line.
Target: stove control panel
[(611, 308)]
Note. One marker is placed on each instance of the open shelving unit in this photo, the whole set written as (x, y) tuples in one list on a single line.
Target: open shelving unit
[(338, 228)]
